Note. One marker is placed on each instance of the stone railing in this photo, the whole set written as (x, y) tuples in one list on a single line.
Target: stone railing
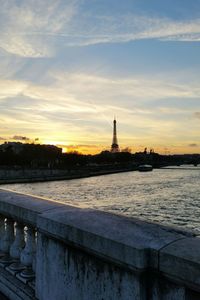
[(18, 243), (53, 251)]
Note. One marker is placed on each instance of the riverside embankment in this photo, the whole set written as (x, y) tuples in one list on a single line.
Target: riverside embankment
[(39, 175)]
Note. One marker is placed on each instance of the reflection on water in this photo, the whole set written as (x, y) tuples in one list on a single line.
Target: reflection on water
[(165, 196)]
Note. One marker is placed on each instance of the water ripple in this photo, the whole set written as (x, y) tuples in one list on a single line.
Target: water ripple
[(164, 196)]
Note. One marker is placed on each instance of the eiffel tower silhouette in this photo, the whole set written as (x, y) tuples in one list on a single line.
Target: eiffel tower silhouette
[(114, 146)]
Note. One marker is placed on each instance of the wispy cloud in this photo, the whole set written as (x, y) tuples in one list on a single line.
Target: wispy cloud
[(10, 88), (41, 28), (25, 23), (134, 87), (197, 114), (83, 105), (84, 93), (130, 27)]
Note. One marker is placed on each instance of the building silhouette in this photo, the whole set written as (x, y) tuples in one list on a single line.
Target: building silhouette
[(114, 146)]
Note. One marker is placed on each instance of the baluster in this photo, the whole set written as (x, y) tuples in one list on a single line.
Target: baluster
[(2, 232), (34, 254), (16, 249), (7, 241), (27, 256), (32, 282)]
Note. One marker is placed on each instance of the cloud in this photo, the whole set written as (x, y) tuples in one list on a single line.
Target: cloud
[(78, 108), (76, 100), (73, 96), (131, 27), (193, 145), (25, 46), (42, 28), (20, 138), (24, 25), (10, 88), (101, 88), (197, 114)]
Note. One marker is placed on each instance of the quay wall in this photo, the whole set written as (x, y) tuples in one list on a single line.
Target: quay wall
[(39, 175), (86, 254)]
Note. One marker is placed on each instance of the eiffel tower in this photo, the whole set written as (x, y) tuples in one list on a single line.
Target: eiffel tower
[(114, 146)]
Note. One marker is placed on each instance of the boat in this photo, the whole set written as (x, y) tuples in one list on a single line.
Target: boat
[(145, 168)]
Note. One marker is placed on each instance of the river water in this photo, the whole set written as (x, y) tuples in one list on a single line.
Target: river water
[(169, 196)]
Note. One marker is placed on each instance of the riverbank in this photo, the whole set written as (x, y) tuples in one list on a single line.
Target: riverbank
[(41, 175)]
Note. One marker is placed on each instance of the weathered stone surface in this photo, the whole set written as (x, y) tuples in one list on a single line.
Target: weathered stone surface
[(24, 208), (181, 259), (127, 240), (68, 273), (163, 289)]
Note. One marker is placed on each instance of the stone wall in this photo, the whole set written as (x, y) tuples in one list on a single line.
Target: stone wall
[(37, 175), (83, 254)]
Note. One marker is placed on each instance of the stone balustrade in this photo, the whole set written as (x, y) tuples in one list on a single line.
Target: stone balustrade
[(51, 251), (18, 243)]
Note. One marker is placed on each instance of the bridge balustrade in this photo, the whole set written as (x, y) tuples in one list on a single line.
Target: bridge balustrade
[(49, 251), (18, 243)]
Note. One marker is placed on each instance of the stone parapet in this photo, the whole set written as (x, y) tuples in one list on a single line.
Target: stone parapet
[(80, 254)]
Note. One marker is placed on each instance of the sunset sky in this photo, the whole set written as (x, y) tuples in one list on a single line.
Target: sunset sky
[(68, 66)]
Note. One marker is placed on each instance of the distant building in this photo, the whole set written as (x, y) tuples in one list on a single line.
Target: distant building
[(15, 147), (115, 146)]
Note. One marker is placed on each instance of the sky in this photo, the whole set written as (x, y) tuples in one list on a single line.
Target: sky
[(67, 67)]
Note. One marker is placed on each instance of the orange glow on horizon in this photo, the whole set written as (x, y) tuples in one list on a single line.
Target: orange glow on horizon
[(93, 148)]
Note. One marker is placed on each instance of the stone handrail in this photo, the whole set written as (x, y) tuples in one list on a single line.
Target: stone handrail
[(73, 253)]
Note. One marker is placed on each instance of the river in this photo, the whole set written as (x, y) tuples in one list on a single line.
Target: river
[(169, 196)]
